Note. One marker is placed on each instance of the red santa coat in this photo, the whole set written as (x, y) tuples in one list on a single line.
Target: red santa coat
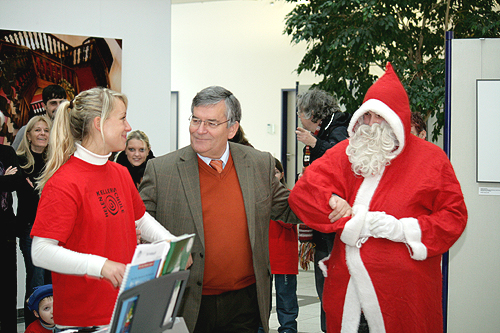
[(397, 285)]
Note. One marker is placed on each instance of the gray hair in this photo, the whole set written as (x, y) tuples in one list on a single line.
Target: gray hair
[(317, 104), (213, 95)]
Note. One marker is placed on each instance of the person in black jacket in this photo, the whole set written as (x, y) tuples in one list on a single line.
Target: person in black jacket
[(10, 179), (323, 126), (323, 123)]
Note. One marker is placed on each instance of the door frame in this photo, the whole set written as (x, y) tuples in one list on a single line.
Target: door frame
[(284, 128)]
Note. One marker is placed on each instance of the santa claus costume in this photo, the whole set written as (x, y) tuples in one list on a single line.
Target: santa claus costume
[(395, 283)]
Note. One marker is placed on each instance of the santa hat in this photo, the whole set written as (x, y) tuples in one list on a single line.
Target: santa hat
[(387, 97)]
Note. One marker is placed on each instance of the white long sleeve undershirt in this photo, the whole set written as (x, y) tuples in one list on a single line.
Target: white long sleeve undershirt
[(47, 253)]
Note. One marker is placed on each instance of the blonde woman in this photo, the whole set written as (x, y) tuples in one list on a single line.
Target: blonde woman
[(136, 155), (32, 153), (85, 229)]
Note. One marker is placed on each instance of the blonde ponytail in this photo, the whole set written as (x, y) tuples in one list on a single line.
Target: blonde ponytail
[(61, 144), (72, 124)]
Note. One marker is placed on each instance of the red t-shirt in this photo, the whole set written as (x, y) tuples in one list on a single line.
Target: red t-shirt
[(36, 327), (88, 209), (283, 248)]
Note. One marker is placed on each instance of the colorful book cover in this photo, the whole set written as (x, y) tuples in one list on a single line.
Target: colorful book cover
[(178, 254), (127, 315), (138, 274)]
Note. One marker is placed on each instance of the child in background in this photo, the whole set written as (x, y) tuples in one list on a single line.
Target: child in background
[(284, 258), (40, 302)]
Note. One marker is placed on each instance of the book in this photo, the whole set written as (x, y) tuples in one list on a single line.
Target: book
[(149, 262), (127, 315), (150, 307), (178, 254), (145, 265)]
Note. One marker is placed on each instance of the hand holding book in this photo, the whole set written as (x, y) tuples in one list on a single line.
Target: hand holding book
[(113, 272)]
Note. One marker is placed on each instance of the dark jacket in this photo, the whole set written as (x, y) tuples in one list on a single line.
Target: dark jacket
[(331, 132), (8, 184), (27, 195)]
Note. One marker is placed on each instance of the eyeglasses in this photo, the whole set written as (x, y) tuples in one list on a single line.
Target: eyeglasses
[(196, 122)]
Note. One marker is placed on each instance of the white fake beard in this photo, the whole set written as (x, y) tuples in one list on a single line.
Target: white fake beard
[(371, 148)]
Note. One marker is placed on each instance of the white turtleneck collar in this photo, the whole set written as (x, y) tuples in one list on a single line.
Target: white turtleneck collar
[(90, 157)]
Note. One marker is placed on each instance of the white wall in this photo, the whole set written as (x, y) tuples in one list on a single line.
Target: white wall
[(474, 283), (238, 45), (144, 27)]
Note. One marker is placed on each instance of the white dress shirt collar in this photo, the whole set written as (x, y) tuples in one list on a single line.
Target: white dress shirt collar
[(224, 158)]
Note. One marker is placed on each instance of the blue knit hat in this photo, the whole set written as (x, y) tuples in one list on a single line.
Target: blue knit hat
[(37, 296)]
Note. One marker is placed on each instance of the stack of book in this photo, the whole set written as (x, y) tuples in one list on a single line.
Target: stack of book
[(151, 261)]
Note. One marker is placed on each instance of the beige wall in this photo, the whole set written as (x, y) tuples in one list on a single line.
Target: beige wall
[(474, 283)]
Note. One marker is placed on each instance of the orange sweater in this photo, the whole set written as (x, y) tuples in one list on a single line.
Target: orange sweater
[(228, 253)]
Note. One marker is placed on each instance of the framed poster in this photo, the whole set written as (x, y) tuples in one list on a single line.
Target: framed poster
[(31, 61), (488, 131)]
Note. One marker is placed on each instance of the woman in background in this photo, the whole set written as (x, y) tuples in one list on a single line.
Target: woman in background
[(85, 228), (32, 153), (136, 155)]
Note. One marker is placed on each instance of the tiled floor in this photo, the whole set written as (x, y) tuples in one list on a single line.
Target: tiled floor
[(309, 305), (308, 320)]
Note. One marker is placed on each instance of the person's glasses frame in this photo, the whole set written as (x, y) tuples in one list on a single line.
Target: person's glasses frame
[(196, 122)]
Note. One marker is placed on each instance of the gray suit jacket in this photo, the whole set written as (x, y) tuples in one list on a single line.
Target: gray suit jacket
[(171, 192)]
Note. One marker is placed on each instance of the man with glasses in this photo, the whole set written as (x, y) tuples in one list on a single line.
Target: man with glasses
[(226, 193), (323, 123)]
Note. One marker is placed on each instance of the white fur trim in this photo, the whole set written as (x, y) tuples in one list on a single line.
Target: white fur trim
[(366, 297), (360, 291), (387, 113), (413, 235), (353, 227), (352, 310), (323, 267)]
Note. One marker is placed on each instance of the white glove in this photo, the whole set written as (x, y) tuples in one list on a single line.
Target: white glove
[(383, 225), (323, 265)]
